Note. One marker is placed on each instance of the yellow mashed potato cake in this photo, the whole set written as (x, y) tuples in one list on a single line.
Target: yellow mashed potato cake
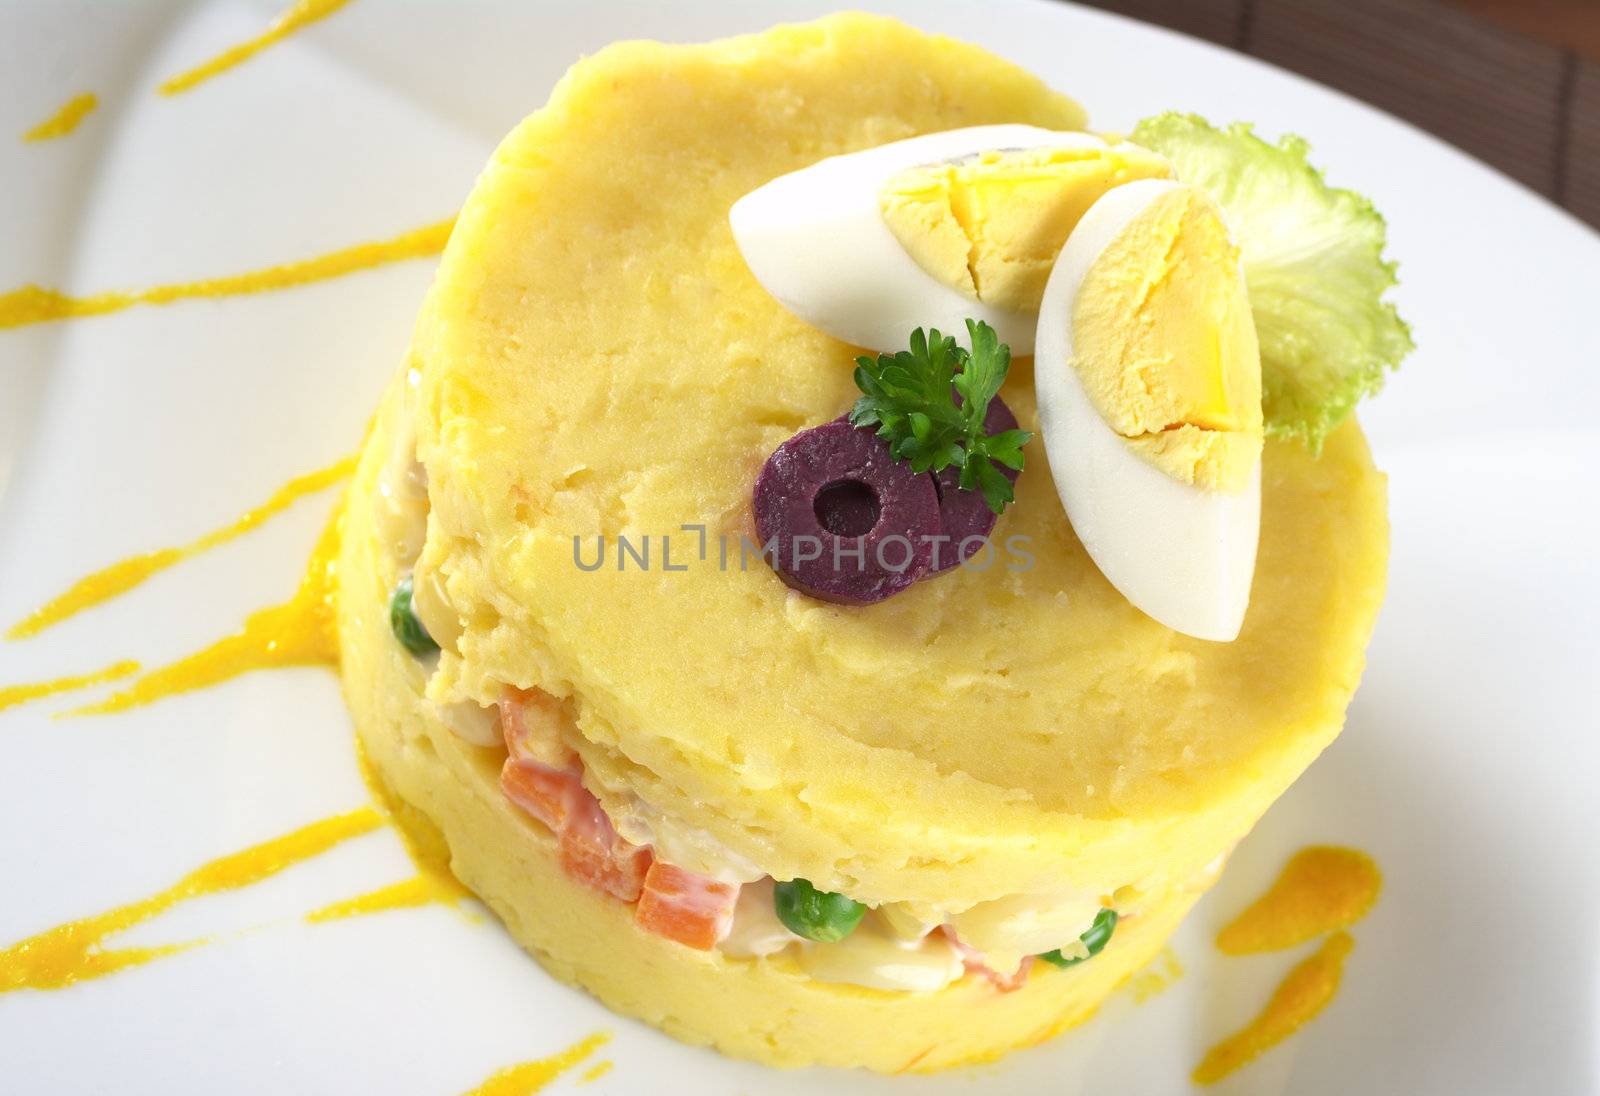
[(634, 765)]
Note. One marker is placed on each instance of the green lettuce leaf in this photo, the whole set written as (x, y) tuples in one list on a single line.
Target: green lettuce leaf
[(1313, 261)]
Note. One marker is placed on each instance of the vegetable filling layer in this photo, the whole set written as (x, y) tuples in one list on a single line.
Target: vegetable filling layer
[(833, 937)]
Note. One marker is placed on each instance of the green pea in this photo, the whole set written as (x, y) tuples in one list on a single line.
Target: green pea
[(1096, 939), (404, 623), (817, 915)]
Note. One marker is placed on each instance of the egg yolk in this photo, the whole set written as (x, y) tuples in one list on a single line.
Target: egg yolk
[(991, 225), (1165, 346)]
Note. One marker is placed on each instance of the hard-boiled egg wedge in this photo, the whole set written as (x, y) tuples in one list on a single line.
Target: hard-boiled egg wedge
[(1149, 383), (929, 231)]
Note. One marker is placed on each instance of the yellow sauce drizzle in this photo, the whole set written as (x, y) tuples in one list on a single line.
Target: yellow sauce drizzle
[(434, 881), (424, 842), (419, 890), (1304, 993), (530, 1077), (121, 577), (73, 953), (12, 695), (299, 632), (65, 120), (596, 1071), (34, 304), (1322, 888), (300, 14)]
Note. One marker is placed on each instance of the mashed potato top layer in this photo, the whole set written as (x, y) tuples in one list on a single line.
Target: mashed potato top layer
[(596, 360)]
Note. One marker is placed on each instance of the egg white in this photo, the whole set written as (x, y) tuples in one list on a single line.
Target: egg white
[(816, 240), (1182, 554)]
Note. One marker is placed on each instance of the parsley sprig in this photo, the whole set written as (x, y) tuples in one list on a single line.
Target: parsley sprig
[(911, 397)]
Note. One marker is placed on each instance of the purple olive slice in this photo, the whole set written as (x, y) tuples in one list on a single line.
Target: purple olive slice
[(841, 519)]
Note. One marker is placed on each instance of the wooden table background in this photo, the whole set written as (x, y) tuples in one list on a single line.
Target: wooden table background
[(1514, 82)]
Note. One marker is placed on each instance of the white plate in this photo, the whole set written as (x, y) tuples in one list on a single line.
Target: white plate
[(1468, 766)]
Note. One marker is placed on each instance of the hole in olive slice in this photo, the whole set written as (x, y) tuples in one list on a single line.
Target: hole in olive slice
[(847, 508), (841, 519), (964, 515)]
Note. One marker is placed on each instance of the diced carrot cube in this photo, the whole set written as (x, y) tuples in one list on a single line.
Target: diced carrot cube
[(592, 851), (511, 725), (544, 793), (681, 905)]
